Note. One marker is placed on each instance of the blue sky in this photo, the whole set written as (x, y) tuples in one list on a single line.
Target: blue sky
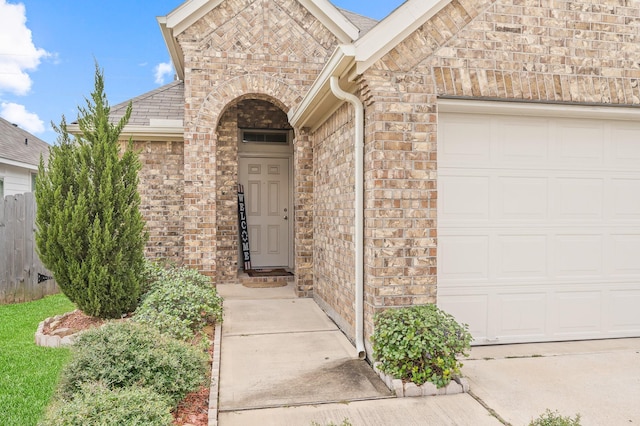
[(48, 49)]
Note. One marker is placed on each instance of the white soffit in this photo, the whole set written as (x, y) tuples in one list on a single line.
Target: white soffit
[(538, 109), (18, 164), (393, 29)]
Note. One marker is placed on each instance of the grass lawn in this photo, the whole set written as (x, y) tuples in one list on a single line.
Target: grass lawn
[(28, 373)]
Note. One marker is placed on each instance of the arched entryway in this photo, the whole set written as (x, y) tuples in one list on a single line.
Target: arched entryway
[(255, 149)]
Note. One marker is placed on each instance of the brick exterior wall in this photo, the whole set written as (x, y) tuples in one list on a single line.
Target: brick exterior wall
[(254, 55), (244, 49), (520, 50), (161, 189)]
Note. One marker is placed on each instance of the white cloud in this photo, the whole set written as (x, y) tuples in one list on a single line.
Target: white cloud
[(19, 115), (18, 51), (162, 70)]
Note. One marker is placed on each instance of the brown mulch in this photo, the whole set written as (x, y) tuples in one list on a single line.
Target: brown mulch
[(193, 411)]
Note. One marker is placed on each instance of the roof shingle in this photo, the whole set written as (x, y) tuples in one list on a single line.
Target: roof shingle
[(13, 146)]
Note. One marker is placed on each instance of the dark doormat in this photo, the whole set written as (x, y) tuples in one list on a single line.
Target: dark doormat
[(279, 272)]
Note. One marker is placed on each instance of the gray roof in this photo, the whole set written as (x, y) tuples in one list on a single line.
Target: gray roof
[(363, 23), (166, 103), (13, 146)]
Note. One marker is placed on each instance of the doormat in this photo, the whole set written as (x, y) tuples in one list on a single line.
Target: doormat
[(268, 272)]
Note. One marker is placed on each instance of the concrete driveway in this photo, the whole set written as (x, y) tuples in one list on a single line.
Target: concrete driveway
[(599, 379)]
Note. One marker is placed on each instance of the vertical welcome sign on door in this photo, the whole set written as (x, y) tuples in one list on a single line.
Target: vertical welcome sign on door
[(244, 233)]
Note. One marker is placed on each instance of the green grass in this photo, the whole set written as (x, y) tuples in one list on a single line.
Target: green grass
[(28, 373)]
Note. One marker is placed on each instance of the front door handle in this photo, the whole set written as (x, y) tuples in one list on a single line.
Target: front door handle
[(286, 217)]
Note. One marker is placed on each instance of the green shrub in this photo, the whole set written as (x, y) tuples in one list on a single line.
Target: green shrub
[(553, 418), (97, 405), (179, 303), (420, 344), (90, 232), (124, 354), (155, 273)]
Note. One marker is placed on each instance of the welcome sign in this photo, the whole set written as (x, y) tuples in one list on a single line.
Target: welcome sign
[(242, 224)]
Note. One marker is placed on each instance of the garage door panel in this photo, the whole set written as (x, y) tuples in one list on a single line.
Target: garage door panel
[(579, 198), (578, 255), (470, 143), (626, 198), (578, 312), (580, 144), (466, 197), (523, 198), (624, 310), (464, 258), (539, 238), (625, 145), (522, 256), (522, 315), (625, 255), (522, 142), (470, 309)]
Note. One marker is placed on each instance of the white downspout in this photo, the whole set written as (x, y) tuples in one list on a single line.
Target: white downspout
[(359, 208)]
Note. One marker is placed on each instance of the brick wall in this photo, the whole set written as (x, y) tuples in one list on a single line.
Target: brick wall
[(263, 49), (522, 50), (161, 189)]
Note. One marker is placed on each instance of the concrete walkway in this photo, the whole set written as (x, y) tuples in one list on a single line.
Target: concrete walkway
[(284, 362)]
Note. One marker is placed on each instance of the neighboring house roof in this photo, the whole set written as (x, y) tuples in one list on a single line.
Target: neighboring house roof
[(162, 104), (19, 147)]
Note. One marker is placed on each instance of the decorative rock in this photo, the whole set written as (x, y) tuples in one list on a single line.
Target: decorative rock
[(398, 387), (411, 389), (428, 389)]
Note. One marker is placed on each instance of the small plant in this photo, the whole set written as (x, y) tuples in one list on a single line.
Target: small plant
[(97, 405), (124, 354), (420, 344), (180, 303), (553, 418)]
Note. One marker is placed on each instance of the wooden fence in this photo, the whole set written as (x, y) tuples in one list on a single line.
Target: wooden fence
[(22, 276)]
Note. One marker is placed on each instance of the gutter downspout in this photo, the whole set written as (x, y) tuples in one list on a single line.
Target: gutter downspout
[(359, 208)]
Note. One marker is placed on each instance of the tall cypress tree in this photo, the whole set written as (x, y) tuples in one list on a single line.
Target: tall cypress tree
[(90, 232)]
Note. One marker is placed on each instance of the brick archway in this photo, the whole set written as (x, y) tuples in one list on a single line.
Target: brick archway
[(211, 171)]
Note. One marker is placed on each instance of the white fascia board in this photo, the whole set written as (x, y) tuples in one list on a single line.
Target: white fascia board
[(331, 18), (18, 164), (155, 133), (341, 61), (393, 29), (175, 51), (539, 109), (188, 13)]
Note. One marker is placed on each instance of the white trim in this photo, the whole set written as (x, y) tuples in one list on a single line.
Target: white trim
[(320, 93), (141, 133), (175, 51), (393, 29), (538, 109), (18, 164), (331, 17)]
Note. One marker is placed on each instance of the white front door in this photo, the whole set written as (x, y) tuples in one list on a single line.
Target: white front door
[(266, 187)]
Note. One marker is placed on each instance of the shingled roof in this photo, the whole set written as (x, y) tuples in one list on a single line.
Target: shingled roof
[(20, 146), (165, 103), (363, 23)]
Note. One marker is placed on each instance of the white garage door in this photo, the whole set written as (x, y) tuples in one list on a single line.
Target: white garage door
[(539, 221)]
